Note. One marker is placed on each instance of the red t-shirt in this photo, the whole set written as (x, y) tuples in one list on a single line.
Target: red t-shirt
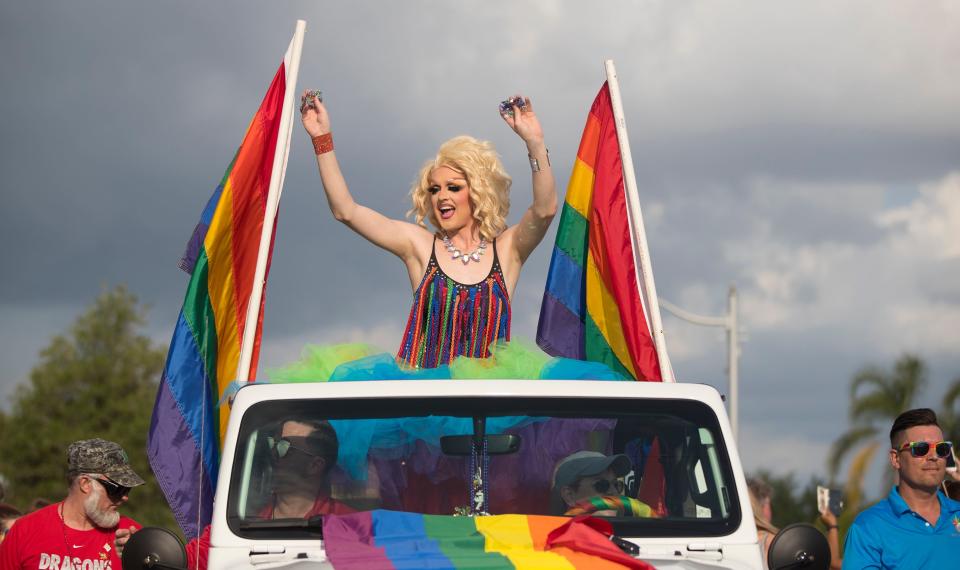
[(40, 541)]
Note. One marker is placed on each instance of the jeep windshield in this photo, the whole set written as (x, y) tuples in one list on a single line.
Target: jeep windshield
[(653, 467)]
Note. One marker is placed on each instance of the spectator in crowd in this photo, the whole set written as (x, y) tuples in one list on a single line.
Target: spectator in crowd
[(760, 495), (8, 515), (77, 532), (764, 493), (916, 526)]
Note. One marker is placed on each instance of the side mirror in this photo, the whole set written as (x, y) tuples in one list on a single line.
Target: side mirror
[(799, 545), (154, 547)]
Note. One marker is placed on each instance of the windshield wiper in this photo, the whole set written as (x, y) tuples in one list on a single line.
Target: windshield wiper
[(313, 524)]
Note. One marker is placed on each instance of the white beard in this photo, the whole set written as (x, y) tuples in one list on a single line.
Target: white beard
[(101, 518)]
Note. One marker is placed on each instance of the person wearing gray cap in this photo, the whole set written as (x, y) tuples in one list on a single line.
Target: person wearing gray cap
[(587, 474), (77, 532)]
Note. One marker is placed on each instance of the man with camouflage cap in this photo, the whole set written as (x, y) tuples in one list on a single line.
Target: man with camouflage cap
[(78, 532)]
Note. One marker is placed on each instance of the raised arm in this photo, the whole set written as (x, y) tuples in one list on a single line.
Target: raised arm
[(535, 221), (833, 538), (395, 236)]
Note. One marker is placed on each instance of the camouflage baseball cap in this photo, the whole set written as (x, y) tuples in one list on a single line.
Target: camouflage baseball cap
[(104, 457)]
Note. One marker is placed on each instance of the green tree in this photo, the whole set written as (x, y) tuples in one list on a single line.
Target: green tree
[(97, 380), (949, 415), (877, 397)]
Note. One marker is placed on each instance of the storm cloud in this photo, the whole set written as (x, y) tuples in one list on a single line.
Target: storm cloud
[(806, 153)]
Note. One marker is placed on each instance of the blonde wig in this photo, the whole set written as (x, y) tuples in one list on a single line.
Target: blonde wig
[(489, 184)]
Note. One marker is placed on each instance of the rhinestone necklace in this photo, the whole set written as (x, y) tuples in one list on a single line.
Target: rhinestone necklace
[(464, 256)]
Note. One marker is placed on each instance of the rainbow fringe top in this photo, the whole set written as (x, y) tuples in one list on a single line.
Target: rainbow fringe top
[(450, 319)]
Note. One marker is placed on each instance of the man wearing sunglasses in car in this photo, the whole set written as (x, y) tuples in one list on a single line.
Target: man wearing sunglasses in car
[(302, 453), (77, 532), (916, 526)]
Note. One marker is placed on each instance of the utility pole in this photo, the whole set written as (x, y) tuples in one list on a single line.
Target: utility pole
[(729, 322)]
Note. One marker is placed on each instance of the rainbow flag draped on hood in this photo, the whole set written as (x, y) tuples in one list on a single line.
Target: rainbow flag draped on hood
[(384, 540), (592, 309), (187, 427)]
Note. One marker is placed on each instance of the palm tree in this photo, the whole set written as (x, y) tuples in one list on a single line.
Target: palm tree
[(949, 417), (877, 397)]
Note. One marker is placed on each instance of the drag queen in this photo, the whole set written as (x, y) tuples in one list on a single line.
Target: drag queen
[(462, 269)]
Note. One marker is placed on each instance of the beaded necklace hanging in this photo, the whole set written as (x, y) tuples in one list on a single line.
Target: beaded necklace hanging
[(477, 486)]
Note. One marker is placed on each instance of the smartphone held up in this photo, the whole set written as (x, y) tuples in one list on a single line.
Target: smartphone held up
[(829, 499)]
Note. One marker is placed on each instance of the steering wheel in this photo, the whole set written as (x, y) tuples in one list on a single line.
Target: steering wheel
[(624, 506)]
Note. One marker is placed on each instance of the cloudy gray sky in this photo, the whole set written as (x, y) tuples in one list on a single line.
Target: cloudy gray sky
[(807, 153)]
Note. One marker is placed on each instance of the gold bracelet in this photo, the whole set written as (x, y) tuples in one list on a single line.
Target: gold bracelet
[(322, 143)]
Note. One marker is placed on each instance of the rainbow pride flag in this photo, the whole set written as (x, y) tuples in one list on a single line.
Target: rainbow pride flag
[(390, 540), (592, 309), (188, 425)]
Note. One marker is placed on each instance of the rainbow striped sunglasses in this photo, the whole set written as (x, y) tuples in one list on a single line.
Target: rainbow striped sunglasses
[(922, 448)]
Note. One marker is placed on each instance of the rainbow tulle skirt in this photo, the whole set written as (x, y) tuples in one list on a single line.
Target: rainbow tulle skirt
[(516, 360)]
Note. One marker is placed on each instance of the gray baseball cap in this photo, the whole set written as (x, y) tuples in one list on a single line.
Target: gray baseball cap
[(104, 457), (588, 463)]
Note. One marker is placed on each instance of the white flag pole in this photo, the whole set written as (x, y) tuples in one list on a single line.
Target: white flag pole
[(641, 254), (292, 67)]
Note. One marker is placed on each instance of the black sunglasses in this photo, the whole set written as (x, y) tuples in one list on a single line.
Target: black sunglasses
[(602, 486), (282, 446), (922, 448), (115, 491)]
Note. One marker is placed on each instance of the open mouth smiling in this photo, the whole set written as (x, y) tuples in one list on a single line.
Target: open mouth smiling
[(446, 212)]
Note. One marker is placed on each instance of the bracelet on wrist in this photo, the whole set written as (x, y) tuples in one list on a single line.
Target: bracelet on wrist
[(535, 164), (831, 527), (322, 143)]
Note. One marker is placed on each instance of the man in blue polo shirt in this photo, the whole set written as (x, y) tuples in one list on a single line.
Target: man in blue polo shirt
[(916, 526)]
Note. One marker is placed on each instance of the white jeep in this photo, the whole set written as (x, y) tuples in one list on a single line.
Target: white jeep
[(468, 448)]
